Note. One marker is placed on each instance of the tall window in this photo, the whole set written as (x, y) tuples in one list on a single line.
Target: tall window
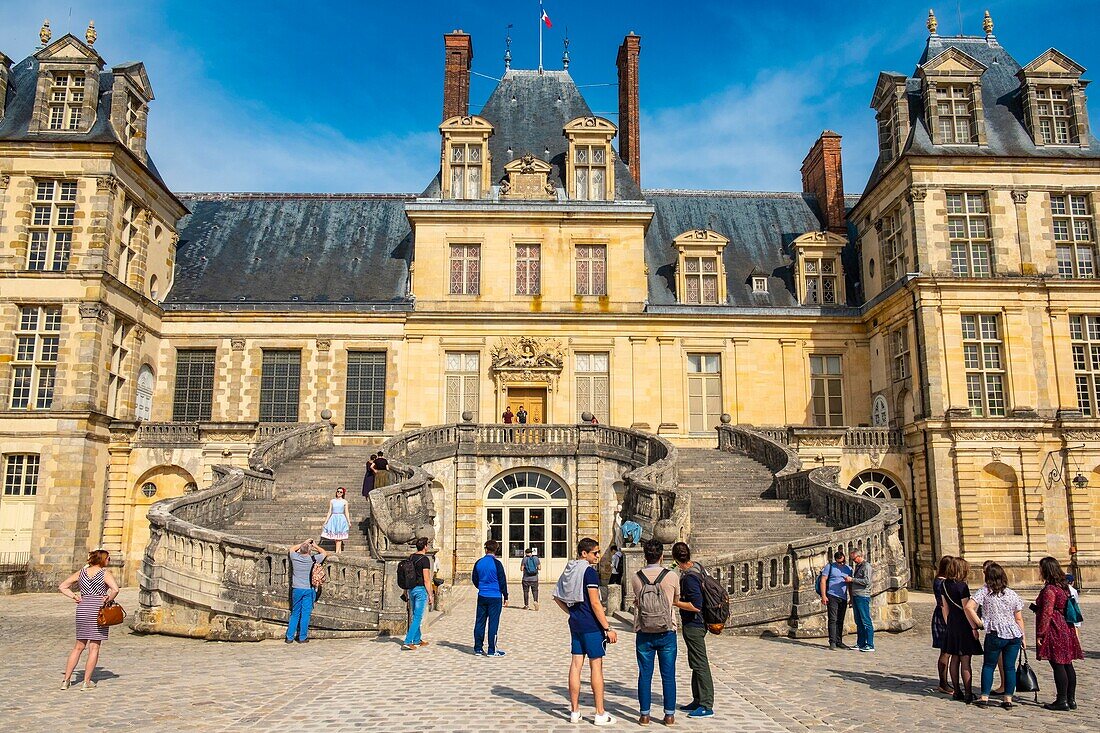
[(117, 368), (701, 280), (280, 378), (1055, 115), (465, 269), (130, 213), (821, 280), (984, 364), (899, 350), (591, 269), (893, 247), (593, 385), (143, 397), (528, 269), (463, 379), (704, 391), (590, 169), (1073, 236), (887, 135), (132, 121), (34, 367), (955, 113), (968, 230), (366, 395), (466, 163), (827, 390), (53, 214), (1084, 331), (194, 392), (66, 101), (21, 474)]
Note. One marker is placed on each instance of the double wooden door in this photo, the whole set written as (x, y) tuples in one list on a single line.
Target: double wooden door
[(532, 399)]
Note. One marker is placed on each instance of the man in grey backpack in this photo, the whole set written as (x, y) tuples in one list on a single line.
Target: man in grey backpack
[(531, 566), (656, 594)]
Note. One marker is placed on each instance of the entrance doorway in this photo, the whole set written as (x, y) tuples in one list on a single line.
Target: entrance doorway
[(529, 509), (533, 399)]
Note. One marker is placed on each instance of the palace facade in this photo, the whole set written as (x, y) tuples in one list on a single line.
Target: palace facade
[(936, 338)]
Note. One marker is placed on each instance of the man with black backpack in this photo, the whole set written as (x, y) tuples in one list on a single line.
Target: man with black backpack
[(691, 605), (656, 593), (414, 576)]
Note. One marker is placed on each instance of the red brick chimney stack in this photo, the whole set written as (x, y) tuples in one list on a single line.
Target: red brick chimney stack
[(822, 176), (629, 135), (459, 49)]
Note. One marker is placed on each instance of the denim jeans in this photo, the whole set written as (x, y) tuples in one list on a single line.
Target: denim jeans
[(418, 601), (994, 647), (487, 609), (301, 608), (865, 628), (663, 646)]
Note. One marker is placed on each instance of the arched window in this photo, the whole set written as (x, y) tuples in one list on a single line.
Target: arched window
[(880, 412), (144, 404), (542, 486), (875, 484), (999, 500)]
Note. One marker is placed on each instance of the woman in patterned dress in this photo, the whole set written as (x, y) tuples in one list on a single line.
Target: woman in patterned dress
[(337, 526), (1058, 642), (96, 586)]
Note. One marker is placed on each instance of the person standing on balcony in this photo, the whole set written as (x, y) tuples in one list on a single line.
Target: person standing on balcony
[(368, 477), (521, 416), (833, 585), (492, 595), (337, 525), (859, 583), (508, 415), (302, 595), (97, 586), (381, 471)]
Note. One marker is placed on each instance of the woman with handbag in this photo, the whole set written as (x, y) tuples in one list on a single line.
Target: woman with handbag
[(939, 625), (960, 639), (97, 592), (1057, 641), (1003, 618)]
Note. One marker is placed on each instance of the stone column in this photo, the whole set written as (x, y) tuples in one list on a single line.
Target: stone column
[(468, 505), (633, 561), (639, 413), (587, 520), (83, 392), (791, 382), (393, 618), (669, 388), (1066, 392)]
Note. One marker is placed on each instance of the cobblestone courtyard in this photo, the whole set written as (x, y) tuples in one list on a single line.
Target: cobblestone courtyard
[(170, 684)]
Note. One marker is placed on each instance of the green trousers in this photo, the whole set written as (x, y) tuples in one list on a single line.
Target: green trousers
[(702, 686)]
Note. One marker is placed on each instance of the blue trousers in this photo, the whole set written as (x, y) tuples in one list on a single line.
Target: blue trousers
[(994, 647), (418, 600), (301, 608), (663, 646), (865, 628), (488, 609)]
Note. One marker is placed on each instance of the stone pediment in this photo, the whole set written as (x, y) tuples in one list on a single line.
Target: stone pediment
[(953, 62), (590, 124), (1052, 63), (471, 122), (527, 178), (886, 88), (69, 48), (135, 72)]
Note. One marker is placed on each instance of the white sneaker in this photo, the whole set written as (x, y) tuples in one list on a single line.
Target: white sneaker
[(574, 716), (604, 719)]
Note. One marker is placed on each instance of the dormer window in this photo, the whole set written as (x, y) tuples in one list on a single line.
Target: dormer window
[(590, 173), (952, 88), (955, 113), (1054, 100), (820, 274), (892, 107), (66, 101), (759, 284), (701, 278), (466, 157)]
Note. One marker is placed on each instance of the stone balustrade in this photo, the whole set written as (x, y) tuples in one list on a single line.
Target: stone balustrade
[(878, 440), (198, 580)]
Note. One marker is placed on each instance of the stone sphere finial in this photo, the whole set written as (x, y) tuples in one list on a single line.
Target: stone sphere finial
[(987, 24), (326, 414), (725, 418), (467, 416), (586, 417), (90, 34), (44, 33), (932, 23)]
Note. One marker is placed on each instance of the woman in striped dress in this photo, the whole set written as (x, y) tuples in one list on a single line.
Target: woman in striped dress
[(96, 586)]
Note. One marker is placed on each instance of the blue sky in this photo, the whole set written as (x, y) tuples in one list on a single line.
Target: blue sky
[(346, 96)]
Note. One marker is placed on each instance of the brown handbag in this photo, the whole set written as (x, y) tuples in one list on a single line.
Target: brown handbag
[(111, 614)]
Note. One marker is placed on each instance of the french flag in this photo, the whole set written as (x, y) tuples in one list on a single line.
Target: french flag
[(546, 18)]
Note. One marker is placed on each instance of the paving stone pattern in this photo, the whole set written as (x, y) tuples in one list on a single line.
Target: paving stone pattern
[(169, 684)]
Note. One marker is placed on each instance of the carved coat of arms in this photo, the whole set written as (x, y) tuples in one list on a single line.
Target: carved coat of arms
[(527, 359)]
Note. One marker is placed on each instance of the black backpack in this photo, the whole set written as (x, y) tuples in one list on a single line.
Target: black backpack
[(408, 575), (716, 601)]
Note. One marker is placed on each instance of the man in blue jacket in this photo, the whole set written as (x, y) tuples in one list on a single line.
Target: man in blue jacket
[(492, 595)]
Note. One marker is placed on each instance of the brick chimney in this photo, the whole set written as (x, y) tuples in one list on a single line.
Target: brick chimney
[(822, 176), (629, 135), (459, 49)]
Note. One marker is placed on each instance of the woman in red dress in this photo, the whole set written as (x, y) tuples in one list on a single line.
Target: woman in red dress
[(1058, 643)]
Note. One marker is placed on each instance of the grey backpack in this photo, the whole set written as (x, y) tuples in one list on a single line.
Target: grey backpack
[(653, 609)]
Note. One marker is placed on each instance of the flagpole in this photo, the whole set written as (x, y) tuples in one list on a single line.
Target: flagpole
[(540, 35)]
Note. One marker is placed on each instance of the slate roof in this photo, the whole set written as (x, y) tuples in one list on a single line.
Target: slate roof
[(1002, 100), (528, 111), (15, 124), (292, 248)]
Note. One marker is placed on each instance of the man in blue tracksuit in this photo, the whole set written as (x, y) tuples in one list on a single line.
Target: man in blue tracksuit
[(492, 595)]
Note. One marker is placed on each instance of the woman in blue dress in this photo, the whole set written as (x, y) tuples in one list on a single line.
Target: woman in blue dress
[(337, 525)]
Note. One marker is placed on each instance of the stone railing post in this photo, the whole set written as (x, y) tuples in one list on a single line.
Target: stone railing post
[(633, 561), (394, 616)]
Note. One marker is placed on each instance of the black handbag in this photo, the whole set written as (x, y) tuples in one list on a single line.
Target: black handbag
[(1026, 681)]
